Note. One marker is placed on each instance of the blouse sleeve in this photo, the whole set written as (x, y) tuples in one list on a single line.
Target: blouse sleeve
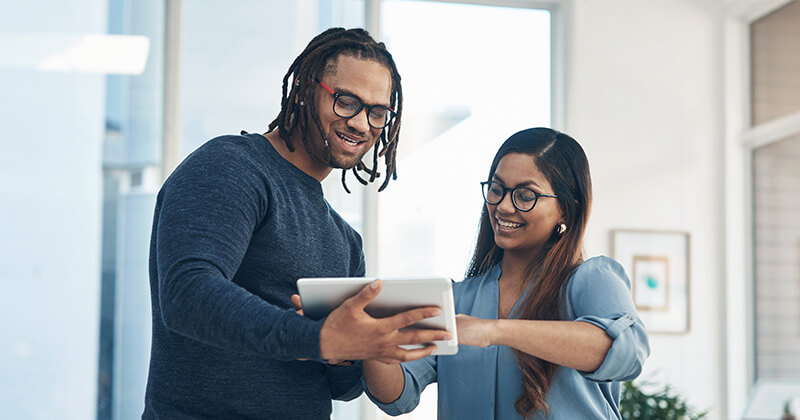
[(417, 375), (599, 293)]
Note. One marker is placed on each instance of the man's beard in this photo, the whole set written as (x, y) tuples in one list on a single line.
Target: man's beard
[(337, 162), (327, 157)]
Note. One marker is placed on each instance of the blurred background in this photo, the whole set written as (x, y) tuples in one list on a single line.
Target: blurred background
[(689, 112)]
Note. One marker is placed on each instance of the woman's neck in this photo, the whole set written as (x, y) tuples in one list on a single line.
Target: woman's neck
[(515, 267)]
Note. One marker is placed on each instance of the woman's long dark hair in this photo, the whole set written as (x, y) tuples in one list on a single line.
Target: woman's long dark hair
[(310, 65), (562, 161)]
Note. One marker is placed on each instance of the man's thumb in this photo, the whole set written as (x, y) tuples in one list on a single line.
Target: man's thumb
[(366, 294)]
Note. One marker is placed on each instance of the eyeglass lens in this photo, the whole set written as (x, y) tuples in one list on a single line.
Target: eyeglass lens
[(523, 198), (347, 106)]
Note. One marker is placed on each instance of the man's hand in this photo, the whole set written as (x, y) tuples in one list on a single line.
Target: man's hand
[(349, 333), (298, 306)]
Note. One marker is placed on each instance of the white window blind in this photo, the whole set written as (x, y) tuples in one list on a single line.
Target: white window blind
[(776, 183)]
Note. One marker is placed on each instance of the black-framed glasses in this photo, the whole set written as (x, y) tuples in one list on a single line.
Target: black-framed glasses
[(524, 199), (346, 105)]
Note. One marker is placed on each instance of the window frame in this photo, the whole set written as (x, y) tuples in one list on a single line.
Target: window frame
[(740, 140)]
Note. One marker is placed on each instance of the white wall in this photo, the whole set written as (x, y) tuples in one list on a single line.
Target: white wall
[(643, 96)]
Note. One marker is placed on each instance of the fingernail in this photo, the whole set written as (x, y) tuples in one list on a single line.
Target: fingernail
[(436, 312), (374, 284)]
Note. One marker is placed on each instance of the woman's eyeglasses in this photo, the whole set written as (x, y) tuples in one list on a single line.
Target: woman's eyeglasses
[(524, 199)]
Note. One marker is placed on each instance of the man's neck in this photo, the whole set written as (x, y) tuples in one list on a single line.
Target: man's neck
[(300, 157)]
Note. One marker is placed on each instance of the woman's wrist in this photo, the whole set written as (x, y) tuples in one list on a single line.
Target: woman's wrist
[(496, 334)]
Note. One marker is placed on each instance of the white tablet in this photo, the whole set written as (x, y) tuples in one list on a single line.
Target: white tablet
[(320, 296)]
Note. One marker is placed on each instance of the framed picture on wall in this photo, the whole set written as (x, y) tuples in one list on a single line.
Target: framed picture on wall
[(657, 263)]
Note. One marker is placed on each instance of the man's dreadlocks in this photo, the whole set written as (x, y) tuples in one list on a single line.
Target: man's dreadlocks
[(310, 65)]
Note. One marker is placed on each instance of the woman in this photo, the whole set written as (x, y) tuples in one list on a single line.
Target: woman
[(543, 333)]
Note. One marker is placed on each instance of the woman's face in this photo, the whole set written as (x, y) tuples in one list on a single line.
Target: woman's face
[(516, 231)]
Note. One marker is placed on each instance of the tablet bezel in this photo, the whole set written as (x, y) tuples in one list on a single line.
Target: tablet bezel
[(322, 295)]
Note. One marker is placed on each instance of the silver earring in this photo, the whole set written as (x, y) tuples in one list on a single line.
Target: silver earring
[(302, 103), (561, 229), (297, 82)]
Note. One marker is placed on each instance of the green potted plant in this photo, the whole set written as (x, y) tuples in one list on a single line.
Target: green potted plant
[(787, 411), (663, 404)]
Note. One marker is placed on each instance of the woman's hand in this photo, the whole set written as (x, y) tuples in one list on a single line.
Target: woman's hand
[(298, 304), (474, 331)]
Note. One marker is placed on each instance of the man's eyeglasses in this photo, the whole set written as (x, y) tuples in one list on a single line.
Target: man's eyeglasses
[(524, 199), (346, 105)]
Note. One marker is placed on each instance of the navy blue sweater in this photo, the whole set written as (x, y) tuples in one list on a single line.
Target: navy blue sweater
[(235, 226)]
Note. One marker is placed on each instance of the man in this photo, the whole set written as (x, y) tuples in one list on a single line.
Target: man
[(242, 218)]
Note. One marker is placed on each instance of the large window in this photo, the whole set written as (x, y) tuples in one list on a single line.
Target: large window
[(465, 92), (76, 86), (467, 87), (776, 195), (763, 148)]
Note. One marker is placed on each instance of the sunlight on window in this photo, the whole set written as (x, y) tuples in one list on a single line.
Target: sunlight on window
[(466, 89), (467, 86), (95, 53)]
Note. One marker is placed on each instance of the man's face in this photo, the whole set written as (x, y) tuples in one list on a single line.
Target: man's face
[(348, 138)]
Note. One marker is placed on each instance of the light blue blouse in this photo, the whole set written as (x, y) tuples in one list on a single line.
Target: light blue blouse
[(483, 383)]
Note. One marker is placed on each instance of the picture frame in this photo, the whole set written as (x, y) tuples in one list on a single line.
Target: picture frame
[(657, 263)]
